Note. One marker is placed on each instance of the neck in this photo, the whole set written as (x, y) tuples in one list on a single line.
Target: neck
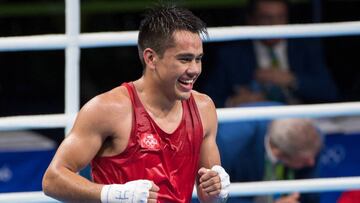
[(271, 42), (153, 99)]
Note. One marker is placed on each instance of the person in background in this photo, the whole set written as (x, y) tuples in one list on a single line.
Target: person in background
[(152, 139), (283, 149), (289, 71)]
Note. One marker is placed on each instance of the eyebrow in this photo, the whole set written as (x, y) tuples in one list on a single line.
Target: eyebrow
[(186, 55)]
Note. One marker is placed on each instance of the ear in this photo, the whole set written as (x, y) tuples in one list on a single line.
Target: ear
[(275, 151), (150, 58)]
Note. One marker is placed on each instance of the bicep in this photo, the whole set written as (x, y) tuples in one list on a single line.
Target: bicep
[(209, 154), (76, 151), (83, 142)]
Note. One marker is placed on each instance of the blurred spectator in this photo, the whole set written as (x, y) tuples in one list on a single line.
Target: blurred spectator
[(285, 70), (286, 149)]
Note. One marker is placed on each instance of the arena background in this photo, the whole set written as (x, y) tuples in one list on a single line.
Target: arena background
[(32, 82), (103, 68)]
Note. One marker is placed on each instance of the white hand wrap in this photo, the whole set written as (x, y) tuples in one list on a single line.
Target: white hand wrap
[(225, 183), (133, 191)]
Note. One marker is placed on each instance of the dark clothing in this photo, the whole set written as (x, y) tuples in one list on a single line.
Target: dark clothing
[(236, 65), (242, 150)]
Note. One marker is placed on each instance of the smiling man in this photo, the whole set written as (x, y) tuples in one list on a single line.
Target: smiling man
[(148, 140)]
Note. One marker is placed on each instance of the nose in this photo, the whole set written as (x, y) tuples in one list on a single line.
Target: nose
[(194, 68), (311, 162)]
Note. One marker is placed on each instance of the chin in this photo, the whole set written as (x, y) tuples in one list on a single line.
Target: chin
[(184, 96), (296, 167)]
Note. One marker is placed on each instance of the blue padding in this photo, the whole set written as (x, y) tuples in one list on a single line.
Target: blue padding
[(22, 171), (340, 158)]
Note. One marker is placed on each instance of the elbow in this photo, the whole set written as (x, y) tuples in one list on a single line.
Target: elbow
[(48, 181)]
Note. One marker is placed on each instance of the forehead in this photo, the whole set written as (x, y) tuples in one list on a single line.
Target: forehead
[(305, 155), (271, 7), (185, 40)]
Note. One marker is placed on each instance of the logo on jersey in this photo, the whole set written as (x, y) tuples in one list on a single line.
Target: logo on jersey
[(149, 141)]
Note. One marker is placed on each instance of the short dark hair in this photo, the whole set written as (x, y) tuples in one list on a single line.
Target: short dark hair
[(159, 24), (252, 4)]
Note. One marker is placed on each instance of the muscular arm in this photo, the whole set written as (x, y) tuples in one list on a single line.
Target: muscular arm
[(209, 154), (208, 181), (93, 125)]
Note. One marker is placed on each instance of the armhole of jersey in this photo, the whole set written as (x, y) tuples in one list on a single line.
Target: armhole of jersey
[(197, 113), (133, 120)]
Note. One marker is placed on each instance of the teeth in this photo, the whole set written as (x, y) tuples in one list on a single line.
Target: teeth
[(187, 81)]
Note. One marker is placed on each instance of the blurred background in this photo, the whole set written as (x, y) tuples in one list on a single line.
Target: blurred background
[(32, 82)]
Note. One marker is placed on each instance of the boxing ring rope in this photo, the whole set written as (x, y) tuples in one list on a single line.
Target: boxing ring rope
[(235, 189), (129, 38), (224, 115), (72, 41)]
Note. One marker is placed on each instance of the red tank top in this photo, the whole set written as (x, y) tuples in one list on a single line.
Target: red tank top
[(169, 160)]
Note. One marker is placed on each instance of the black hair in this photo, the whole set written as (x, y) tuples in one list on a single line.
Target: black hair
[(159, 24)]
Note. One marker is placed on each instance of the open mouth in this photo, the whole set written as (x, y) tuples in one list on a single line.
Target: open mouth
[(186, 84)]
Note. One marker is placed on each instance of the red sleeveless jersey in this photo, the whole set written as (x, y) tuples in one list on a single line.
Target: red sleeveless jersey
[(169, 160)]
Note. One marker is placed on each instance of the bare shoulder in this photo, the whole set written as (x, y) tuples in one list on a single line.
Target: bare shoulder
[(207, 112), (105, 118), (105, 110), (203, 101), (111, 102)]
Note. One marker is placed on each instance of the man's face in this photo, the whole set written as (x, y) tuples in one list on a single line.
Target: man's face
[(180, 65), (270, 13), (298, 161)]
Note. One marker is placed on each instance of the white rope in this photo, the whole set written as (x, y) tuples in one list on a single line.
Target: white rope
[(35, 122), (33, 43), (109, 39), (289, 31), (129, 38), (224, 115), (289, 186), (235, 189), (297, 111), (25, 197)]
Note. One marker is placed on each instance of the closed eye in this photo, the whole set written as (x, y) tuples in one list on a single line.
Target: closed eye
[(198, 59), (185, 59)]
